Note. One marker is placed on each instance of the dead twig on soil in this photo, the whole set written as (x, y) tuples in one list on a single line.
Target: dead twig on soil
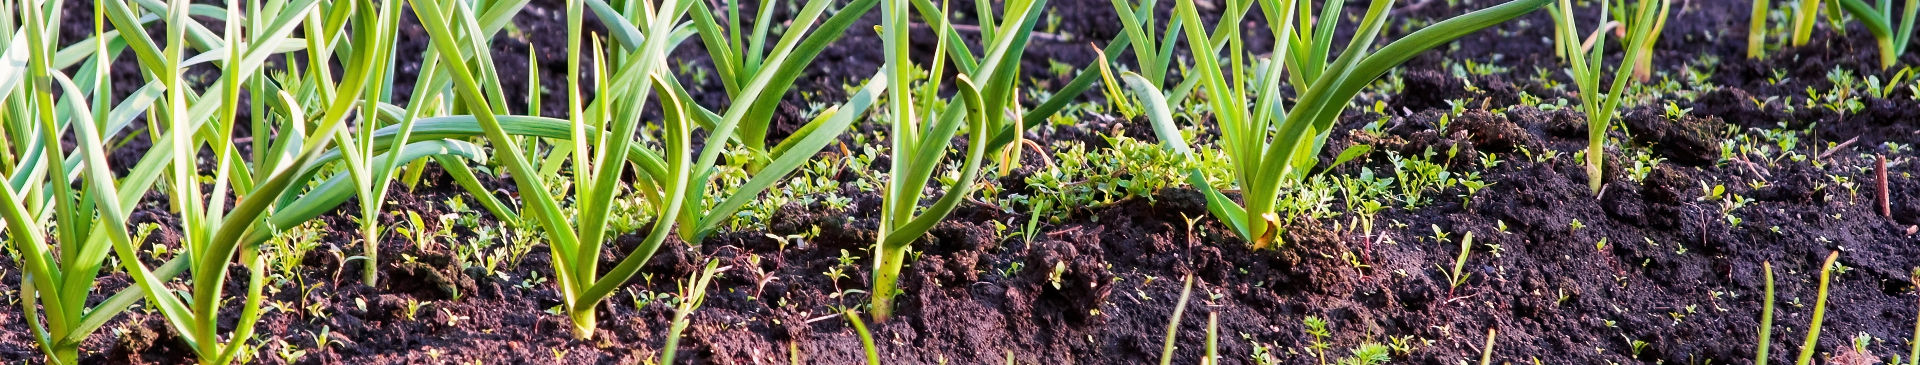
[(1880, 185), (1453, 299), (1755, 168), (1840, 147), (823, 318)]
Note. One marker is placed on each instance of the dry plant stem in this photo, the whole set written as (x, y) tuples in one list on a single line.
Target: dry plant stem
[(1819, 311), (1880, 186)]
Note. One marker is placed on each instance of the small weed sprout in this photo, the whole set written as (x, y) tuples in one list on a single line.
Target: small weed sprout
[(1317, 328), (1458, 276)]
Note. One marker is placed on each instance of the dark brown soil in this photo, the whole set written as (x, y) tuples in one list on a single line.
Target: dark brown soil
[(1673, 272)]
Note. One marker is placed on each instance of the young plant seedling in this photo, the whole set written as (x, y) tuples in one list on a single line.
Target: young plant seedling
[(1879, 22), (1766, 317), (691, 299), (57, 234), (1642, 65), (212, 233), (602, 134), (756, 80), (1155, 52), (740, 61), (1486, 353), (922, 131), (1173, 323), (268, 30), (1459, 274), (1819, 311), (1914, 358), (1213, 340), (1600, 108), (872, 352), (357, 146), (1805, 17), (1269, 145), (576, 250)]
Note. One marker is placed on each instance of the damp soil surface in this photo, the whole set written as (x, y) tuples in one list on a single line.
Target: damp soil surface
[(1650, 270)]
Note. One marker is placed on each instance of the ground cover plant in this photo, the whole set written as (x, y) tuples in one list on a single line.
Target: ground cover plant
[(917, 181)]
